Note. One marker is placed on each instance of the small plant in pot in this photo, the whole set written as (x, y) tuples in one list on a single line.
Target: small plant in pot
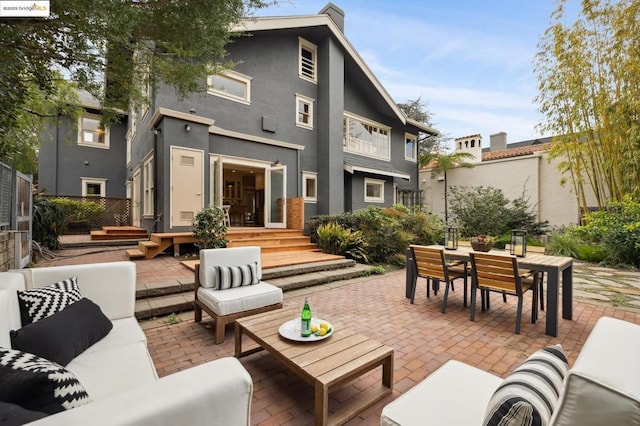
[(482, 242)]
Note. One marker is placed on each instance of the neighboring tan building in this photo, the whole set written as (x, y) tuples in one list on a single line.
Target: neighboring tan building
[(521, 168)]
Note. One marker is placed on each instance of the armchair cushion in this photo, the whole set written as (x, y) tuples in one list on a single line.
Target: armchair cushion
[(39, 303), (64, 335), (240, 299), (226, 277), (13, 415), (529, 395), (37, 384)]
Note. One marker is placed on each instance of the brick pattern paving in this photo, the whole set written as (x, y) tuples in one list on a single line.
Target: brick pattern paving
[(423, 339)]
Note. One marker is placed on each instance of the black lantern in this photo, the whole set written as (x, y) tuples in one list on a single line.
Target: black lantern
[(519, 242), (451, 238)]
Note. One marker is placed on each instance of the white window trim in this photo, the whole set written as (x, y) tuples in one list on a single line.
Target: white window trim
[(105, 145), (310, 102), (100, 181), (133, 121), (305, 176), (238, 77), (128, 154), (368, 181), (147, 186), (351, 116), (302, 43), (415, 147)]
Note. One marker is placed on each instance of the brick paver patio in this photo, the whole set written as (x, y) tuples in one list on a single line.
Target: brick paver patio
[(423, 339)]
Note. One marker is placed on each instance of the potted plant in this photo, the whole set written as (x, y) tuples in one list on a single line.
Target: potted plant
[(209, 228), (482, 242)]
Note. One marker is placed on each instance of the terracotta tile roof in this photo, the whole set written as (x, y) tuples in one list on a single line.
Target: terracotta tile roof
[(515, 152)]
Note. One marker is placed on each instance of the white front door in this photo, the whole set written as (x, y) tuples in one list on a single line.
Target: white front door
[(276, 197), (187, 185)]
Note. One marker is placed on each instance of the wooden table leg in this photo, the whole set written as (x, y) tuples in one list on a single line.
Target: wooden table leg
[(387, 371), (321, 408), (238, 337)]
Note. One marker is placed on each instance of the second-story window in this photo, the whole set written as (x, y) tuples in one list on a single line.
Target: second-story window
[(230, 85), (366, 137), (410, 147), (304, 112), (91, 132), (308, 60)]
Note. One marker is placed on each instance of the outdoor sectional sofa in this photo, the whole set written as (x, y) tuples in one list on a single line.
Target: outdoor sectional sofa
[(112, 381), (602, 387)]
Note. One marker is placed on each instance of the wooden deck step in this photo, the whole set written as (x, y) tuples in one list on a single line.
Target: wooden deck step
[(135, 254), (108, 233)]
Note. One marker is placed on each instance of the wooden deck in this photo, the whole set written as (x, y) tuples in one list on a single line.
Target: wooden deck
[(276, 260)]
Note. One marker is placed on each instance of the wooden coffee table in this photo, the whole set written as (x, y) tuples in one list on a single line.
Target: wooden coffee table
[(325, 364)]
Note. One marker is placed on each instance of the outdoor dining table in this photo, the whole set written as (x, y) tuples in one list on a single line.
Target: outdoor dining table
[(553, 266)]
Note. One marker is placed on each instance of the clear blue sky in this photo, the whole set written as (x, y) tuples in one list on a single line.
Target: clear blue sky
[(471, 61)]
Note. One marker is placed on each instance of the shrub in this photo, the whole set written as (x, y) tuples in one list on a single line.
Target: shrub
[(563, 243), (209, 228), (78, 211), (334, 239), (617, 229), (486, 210), (48, 222)]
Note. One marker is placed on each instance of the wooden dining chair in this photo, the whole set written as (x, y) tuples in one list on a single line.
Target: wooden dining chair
[(538, 250), (500, 273), (431, 263)]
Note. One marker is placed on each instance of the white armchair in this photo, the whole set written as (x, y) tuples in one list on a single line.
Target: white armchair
[(229, 286)]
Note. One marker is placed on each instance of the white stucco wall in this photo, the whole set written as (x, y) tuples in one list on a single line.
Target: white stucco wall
[(531, 175)]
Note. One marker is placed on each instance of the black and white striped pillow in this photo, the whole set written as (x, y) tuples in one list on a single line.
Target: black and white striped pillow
[(39, 303), (38, 384), (225, 277), (529, 395)]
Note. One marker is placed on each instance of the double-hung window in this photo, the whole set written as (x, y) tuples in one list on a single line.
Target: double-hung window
[(230, 85), (91, 132), (410, 147), (304, 112), (308, 64), (366, 137)]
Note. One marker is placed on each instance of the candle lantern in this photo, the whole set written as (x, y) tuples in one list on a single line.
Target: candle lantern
[(519, 242), (451, 238)]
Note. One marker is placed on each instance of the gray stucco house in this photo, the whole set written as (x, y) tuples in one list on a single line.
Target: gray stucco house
[(300, 117)]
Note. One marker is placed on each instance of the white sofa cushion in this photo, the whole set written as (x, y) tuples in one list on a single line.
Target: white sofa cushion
[(125, 331), (12, 282), (454, 394), (234, 300), (109, 371), (214, 393), (603, 386), (111, 285)]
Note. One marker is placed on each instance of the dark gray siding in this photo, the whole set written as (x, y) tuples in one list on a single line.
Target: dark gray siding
[(62, 162)]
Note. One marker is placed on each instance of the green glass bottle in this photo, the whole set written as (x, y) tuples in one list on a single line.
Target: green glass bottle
[(305, 319)]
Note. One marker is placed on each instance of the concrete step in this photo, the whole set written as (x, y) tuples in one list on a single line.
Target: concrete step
[(167, 298)]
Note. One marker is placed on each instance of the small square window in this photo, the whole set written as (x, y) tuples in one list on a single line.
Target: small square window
[(93, 187), (310, 187), (373, 191)]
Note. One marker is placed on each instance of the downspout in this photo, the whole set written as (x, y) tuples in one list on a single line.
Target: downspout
[(56, 155), (155, 183)]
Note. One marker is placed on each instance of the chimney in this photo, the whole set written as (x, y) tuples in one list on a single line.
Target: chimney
[(498, 141), (335, 13)]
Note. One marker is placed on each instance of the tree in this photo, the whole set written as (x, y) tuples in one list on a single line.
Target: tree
[(440, 163), (589, 92), (113, 49), (417, 110)]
